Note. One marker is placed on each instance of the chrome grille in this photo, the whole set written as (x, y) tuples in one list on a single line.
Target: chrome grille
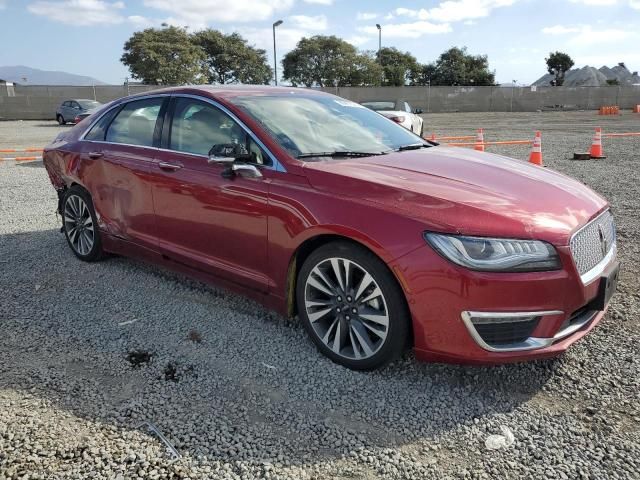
[(591, 243)]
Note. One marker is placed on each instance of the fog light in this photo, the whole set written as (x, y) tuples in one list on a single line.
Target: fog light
[(504, 331)]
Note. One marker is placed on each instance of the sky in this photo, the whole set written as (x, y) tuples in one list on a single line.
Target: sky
[(86, 37)]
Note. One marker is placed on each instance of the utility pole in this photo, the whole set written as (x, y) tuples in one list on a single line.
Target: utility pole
[(275, 57), (379, 27), (513, 91)]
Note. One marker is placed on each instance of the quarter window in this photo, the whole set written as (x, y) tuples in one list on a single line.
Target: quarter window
[(98, 131), (135, 123)]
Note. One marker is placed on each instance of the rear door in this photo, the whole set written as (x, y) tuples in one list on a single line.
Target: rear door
[(117, 156)]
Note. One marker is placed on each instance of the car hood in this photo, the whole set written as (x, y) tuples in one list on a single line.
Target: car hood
[(458, 190)]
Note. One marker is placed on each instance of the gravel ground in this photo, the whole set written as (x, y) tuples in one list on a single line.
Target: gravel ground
[(91, 355)]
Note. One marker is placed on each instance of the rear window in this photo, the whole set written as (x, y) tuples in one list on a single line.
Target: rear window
[(380, 105), (89, 104)]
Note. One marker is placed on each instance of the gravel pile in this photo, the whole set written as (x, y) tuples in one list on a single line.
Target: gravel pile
[(99, 361)]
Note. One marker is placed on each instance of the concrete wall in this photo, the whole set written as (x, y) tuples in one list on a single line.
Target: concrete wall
[(40, 102), (497, 99)]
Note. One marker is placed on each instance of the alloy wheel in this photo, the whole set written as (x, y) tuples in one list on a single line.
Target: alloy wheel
[(346, 308), (78, 225)]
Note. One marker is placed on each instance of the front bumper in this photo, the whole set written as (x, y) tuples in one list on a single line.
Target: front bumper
[(445, 300)]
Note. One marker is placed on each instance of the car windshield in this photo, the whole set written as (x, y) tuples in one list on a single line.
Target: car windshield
[(88, 104), (309, 124), (376, 106)]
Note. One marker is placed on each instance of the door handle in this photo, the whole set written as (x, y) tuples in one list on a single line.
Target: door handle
[(172, 167), (95, 155)]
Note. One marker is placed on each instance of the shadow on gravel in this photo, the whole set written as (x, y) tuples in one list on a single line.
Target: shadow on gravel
[(34, 164), (251, 387)]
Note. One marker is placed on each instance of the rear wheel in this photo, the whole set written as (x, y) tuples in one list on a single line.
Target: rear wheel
[(351, 306), (80, 225), (60, 119)]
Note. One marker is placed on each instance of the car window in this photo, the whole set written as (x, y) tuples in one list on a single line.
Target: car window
[(89, 104), (377, 106), (135, 123), (65, 104), (75, 105), (197, 126), (99, 130)]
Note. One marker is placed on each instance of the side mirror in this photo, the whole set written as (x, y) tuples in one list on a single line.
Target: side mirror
[(417, 111), (227, 153)]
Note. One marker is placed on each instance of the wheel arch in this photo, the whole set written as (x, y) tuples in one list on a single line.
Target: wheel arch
[(309, 245)]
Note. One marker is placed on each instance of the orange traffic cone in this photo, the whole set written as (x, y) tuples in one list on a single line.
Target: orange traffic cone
[(535, 156), (479, 141), (596, 146)]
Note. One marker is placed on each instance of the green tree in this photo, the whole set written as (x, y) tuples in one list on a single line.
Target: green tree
[(397, 66), (165, 56), (230, 59), (558, 64), (365, 70), (457, 67), (321, 60)]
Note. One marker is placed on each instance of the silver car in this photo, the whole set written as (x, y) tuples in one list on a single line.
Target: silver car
[(70, 109)]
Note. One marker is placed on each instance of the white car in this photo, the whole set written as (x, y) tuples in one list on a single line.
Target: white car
[(400, 112)]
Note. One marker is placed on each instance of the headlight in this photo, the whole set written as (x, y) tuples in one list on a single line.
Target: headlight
[(495, 254)]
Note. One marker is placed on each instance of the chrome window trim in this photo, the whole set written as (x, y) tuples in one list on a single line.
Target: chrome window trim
[(589, 276), (118, 104), (530, 343), (276, 164)]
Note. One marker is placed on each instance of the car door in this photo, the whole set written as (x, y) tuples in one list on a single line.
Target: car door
[(117, 156), (205, 218), (65, 111)]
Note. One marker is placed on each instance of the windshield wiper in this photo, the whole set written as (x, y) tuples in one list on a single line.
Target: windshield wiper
[(413, 146), (346, 153)]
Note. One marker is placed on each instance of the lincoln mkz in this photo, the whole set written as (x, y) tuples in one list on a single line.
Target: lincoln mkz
[(319, 207)]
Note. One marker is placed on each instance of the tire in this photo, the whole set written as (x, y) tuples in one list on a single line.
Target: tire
[(60, 120), (422, 130), (333, 312), (77, 209)]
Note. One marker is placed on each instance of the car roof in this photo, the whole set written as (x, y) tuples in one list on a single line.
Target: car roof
[(230, 91)]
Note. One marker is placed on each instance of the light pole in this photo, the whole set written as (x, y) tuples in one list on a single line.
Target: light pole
[(513, 89), (428, 95), (379, 40), (275, 58)]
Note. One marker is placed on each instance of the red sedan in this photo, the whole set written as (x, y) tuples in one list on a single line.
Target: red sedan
[(321, 208)]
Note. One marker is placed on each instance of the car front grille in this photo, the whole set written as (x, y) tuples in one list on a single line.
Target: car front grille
[(593, 242)]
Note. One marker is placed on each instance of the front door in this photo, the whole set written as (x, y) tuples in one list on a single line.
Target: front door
[(204, 219)]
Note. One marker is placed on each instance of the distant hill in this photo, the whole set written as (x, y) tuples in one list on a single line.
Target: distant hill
[(34, 76), (593, 77)]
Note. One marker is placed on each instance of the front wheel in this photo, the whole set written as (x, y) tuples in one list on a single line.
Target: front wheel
[(61, 120), (352, 306), (80, 225)]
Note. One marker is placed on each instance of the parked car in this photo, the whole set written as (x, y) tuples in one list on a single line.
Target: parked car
[(81, 116), (70, 109), (321, 208), (400, 112)]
